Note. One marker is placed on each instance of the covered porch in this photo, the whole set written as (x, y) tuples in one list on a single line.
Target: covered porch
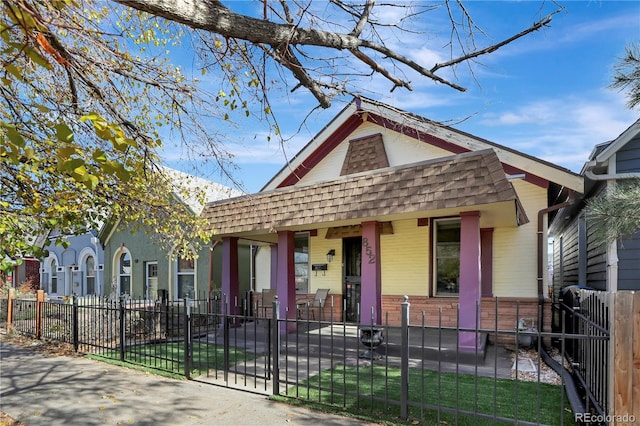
[(470, 190)]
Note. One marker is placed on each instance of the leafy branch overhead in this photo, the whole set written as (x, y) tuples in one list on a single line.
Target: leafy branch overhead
[(90, 95)]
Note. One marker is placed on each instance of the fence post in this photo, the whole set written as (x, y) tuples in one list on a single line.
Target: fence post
[(625, 356), (187, 338), (74, 316), (275, 348), (39, 308), (122, 328), (225, 337), (12, 295), (404, 361)]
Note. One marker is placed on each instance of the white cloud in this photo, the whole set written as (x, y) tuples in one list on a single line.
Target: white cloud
[(562, 130), (597, 28), (260, 150)]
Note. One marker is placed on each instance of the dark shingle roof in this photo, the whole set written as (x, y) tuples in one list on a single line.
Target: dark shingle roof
[(464, 180)]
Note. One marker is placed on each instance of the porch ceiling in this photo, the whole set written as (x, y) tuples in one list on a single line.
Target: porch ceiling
[(449, 185)]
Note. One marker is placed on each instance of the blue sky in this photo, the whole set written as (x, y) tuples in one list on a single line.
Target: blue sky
[(545, 95)]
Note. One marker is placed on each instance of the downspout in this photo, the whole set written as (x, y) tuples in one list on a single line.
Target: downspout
[(541, 214), (613, 176), (577, 405), (607, 176)]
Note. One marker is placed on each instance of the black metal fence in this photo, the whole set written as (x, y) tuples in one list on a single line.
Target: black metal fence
[(24, 316), (585, 315), (4, 308), (407, 372), (420, 374)]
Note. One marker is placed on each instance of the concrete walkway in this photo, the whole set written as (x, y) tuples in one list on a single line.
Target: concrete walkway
[(58, 390)]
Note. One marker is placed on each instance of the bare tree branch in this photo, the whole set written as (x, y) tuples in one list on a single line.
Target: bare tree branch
[(213, 16), (535, 27), (381, 70), (364, 19)]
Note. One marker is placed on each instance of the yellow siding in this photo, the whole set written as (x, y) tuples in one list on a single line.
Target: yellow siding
[(402, 149), (405, 256), (515, 267), (332, 277), (405, 259), (329, 167), (263, 268)]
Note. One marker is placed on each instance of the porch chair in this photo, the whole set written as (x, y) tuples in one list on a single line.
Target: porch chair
[(266, 300), (316, 304)]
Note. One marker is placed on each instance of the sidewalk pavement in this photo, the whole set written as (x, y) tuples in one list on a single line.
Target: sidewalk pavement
[(37, 389)]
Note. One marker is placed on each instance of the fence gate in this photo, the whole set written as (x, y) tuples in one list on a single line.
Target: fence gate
[(231, 350)]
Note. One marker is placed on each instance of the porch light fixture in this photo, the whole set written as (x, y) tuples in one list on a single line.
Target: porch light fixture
[(330, 255)]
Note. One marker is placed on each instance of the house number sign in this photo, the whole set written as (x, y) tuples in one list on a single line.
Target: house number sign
[(368, 250)]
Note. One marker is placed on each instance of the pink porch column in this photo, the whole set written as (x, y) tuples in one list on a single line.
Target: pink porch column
[(286, 279), (230, 277), (470, 283), (371, 287)]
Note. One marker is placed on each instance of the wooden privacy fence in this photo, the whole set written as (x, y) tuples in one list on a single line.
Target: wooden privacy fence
[(625, 350), (611, 373)]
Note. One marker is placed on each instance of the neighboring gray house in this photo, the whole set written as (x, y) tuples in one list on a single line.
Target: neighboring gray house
[(114, 261), (579, 258), (77, 269)]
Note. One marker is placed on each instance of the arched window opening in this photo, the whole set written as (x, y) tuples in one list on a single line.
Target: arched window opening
[(90, 274), (124, 273), (53, 281)]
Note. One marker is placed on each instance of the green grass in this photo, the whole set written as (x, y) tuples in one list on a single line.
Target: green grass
[(461, 392), (156, 358)]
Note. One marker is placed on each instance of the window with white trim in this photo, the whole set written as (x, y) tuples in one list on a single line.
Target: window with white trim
[(301, 260), (446, 256), (185, 276)]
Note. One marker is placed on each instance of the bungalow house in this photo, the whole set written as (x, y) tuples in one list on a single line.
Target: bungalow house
[(382, 203), (73, 269), (136, 265), (579, 257)]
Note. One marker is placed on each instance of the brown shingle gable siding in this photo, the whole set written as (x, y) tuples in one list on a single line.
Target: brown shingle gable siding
[(463, 180), (363, 154)]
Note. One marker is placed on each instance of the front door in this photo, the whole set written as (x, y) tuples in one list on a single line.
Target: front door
[(352, 249)]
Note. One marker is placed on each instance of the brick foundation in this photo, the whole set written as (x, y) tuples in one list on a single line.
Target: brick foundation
[(507, 310)]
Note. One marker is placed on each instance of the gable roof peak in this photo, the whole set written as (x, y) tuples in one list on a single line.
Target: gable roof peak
[(393, 119), (614, 146)]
